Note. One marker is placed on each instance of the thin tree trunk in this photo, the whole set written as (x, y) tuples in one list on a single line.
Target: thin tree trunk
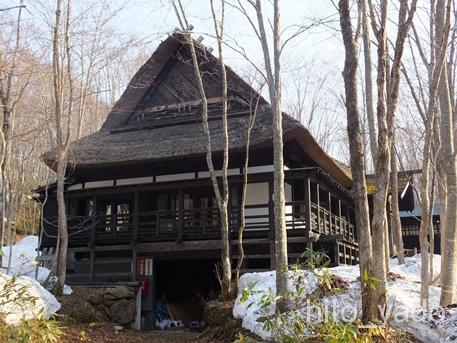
[(225, 229), (357, 153), (396, 223), (388, 83), (434, 81), (443, 211), (61, 224), (382, 167), (242, 224), (278, 174), (62, 242), (449, 273), (425, 222), (431, 231), (274, 90), (8, 105), (368, 81), (222, 199)]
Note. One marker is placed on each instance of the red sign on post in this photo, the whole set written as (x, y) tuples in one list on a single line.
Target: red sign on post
[(141, 263), (145, 266)]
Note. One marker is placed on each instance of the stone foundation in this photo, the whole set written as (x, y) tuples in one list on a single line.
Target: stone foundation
[(116, 304)]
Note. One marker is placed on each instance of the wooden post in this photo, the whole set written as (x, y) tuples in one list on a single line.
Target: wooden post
[(271, 219), (330, 212), (353, 233), (340, 224), (92, 241), (308, 222), (180, 215), (136, 216), (337, 254), (136, 211)]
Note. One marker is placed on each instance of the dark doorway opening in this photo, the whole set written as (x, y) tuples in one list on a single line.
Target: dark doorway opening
[(183, 286)]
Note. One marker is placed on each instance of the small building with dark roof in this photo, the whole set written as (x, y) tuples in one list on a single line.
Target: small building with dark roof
[(410, 224)]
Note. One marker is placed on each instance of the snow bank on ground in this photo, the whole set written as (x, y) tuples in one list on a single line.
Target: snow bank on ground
[(259, 284), (435, 325), (23, 298), (23, 263), (21, 294)]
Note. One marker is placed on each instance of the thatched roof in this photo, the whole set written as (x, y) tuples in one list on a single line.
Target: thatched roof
[(132, 133)]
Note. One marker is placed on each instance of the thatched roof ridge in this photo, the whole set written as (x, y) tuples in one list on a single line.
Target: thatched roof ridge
[(147, 75)]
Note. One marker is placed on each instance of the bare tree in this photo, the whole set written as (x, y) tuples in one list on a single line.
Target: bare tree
[(372, 130), (273, 77), (395, 208), (242, 224), (62, 131), (388, 83), (357, 157), (449, 272), (426, 102), (222, 197), (10, 94), (308, 101)]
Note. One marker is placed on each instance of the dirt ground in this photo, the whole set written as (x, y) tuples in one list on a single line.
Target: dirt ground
[(82, 325), (105, 333)]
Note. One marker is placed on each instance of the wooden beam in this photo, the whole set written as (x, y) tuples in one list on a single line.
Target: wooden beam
[(257, 177), (184, 246), (188, 104)]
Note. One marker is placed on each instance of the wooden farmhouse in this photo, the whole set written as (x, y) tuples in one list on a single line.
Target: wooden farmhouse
[(139, 200)]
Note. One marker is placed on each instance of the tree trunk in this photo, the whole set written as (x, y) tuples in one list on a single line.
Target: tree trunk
[(221, 197), (274, 90), (61, 224), (396, 223), (279, 191), (368, 81), (8, 104), (426, 219), (242, 220), (449, 273), (382, 169), (61, 146), (357, 153), (443, 211), (431, 231), (225, 254)]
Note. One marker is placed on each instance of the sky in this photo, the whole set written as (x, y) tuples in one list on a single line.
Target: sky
[(155, 19)]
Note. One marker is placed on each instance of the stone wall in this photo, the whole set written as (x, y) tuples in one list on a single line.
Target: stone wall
[(116, 304)]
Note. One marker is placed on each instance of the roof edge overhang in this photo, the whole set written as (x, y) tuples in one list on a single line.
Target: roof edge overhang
[(310, 146), (300, 134)]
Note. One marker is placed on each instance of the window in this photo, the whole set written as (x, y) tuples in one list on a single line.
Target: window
[(117, 217)]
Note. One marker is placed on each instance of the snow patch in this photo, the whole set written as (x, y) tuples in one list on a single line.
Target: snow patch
[(23, 255), (24, 299), (22, 296), (435, 325)]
